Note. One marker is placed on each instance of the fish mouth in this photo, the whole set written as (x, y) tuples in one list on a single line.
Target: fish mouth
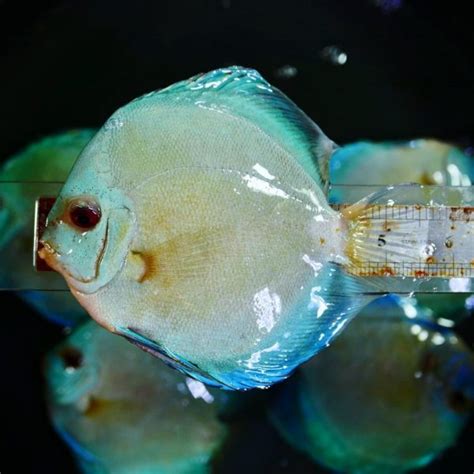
[(48, 253), (52, 257)]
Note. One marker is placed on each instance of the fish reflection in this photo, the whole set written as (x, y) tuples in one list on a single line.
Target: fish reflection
[(122, 411), (389, 395)]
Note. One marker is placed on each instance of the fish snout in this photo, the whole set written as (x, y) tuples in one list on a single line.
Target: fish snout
[(48, 253)]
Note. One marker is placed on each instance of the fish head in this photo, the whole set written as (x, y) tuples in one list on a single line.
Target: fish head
[(89, 229), (71, 371), (449, 368)]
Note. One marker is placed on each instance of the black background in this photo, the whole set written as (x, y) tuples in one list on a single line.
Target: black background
[(68, 64)]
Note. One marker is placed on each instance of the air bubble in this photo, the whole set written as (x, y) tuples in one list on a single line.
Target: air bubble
[(334, 55), (286, 72)]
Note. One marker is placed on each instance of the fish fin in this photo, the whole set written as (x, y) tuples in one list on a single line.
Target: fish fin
[(246, 93), (169, 358), (378, 235), (337, 299)]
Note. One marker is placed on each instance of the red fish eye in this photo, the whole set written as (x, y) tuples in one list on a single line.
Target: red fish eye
[(72, 358), (84, 215)]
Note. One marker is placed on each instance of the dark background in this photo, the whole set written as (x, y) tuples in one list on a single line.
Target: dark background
[(64, 64)]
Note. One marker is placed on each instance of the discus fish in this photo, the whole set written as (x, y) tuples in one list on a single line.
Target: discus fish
[(196, 225), (421, 161), (389, 395), (49, 159), (122, 411)]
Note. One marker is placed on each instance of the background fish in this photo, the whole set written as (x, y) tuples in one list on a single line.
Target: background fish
[(196, 225), (122, 411), (420, 161), (417, 161), (49, 159), (390, 394)]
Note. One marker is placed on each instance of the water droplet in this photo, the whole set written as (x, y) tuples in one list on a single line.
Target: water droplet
[(286, 72), (113, 123), (334, 55), (428, 250)]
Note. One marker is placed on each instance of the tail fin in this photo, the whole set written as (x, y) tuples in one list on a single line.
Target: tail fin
[(401, 231)]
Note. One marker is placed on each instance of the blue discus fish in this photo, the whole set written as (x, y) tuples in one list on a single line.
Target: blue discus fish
[(196, 224), (122, 411), (420, 161), (49, 159), (389, 395)]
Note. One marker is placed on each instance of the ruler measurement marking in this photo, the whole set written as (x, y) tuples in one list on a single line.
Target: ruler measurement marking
[(410, 269), (431, 254)]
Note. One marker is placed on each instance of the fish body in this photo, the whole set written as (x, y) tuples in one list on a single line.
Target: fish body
[(48, 160), (422, 161), (121, 410), (196, 225), (389, 395)]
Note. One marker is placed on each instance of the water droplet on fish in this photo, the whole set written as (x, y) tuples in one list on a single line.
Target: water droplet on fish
[(334, 55), (286, 72), (113, 123)]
